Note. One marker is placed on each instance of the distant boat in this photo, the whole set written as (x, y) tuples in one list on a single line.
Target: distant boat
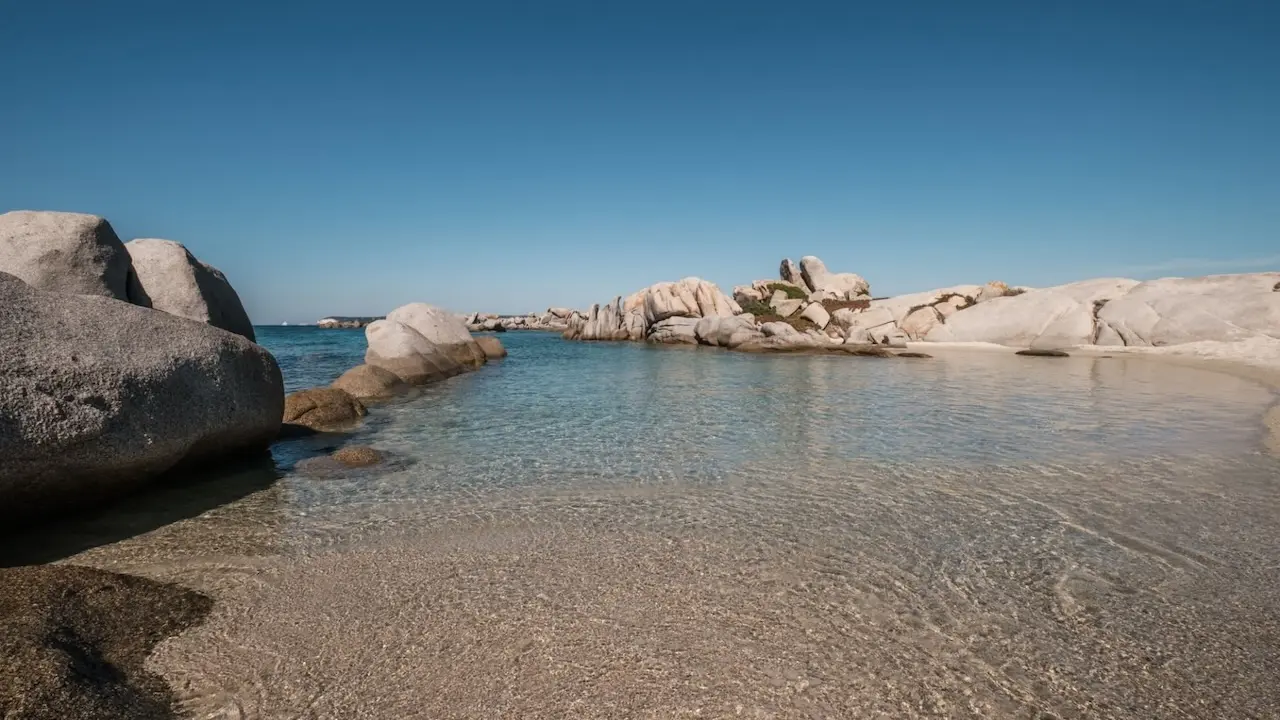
[(286, 323)]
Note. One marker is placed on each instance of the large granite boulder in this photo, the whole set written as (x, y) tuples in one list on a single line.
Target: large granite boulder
[(370, 383), (1046, 318), (1180, 310), (674, 331), (444, 330), (169, 278), (64, 252), (691, 297), (97, 397), (838, 286), (398, 348), (726, 332)]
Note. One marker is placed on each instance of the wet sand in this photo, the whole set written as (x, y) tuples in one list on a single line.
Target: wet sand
[(1084, 587)]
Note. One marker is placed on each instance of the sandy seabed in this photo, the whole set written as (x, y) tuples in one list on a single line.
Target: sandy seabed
[(1090, 587)]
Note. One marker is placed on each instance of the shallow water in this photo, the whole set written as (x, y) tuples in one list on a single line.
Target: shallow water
[(614, 530)]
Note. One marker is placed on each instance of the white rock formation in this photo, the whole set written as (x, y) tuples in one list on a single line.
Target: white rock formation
[(1047, 318), (1172, 311), (844, 286)]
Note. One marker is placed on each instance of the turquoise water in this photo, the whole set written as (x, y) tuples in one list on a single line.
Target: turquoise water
[(619, 530), (309, 356)]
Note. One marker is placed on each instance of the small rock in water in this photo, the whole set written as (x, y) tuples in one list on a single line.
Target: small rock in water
[(914, 355), (358, 456), (1035, 352), (323, 409)]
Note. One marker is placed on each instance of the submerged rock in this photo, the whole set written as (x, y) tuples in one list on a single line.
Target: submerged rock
[(63, 252), (357, 456), (74, 642), (170, 279), (323, 409), (1043, 352), (370, 383), (98, 396)]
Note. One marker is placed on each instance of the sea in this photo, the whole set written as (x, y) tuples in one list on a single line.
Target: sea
[(616, 530)]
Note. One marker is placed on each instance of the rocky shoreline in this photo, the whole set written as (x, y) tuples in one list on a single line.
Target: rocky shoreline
[(809, 307)]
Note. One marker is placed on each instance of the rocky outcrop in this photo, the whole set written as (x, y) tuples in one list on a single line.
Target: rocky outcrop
[(323, 409), (403, 351), (445, 331), (97, 397), (64, 252), (691, 298), (836, 286), (334, 322), (641, 315), (370, 383), (551, 320), (168, 278)]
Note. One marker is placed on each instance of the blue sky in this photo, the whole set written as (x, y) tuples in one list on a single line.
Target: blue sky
[(345, 158)]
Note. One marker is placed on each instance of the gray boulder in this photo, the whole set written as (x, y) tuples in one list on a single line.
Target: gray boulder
[(64, 252), (97, 397), (169, 278)]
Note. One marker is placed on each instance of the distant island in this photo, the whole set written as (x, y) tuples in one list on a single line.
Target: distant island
[(344, 321)]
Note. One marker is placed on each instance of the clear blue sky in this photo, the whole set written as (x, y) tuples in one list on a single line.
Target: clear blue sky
[(344, 158)]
